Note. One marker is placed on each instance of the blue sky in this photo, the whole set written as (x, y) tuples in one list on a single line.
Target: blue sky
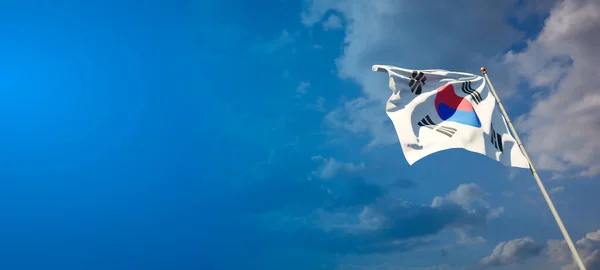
[(252, 135)]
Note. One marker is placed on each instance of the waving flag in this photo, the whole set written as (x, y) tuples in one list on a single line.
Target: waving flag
[(436, 110)]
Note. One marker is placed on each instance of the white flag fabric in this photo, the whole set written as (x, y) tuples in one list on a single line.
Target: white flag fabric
[(436, 110)]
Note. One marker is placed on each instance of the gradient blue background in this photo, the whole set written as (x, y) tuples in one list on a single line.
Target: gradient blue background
[(170, 135)]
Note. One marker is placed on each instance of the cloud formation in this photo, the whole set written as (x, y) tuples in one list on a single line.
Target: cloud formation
[(332, 23), (291, 210), (513, 252), (588, 247), (520, 250), (562, 62), (331, 167), (383, 32), (390, 221), (271, 46), (302, 88), (470, 198), (557, 190), (465, 195)]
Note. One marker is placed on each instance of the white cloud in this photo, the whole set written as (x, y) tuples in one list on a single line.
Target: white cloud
[(396, 217), (470, 198), (588, 248), (465, 239), (513, 252), (330, 167), (562, 59), (332, 23), (465, 195), (558, 251), (378, 32), (320, 104), (557, 189), (397, 32), (271, 46), (388, 226), (303, 87), (362, 115), (522, 249), (563, 124)]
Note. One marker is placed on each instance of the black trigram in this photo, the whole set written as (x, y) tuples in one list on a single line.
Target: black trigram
[(428, 123), (417, 82), (496, 139), (467, 89)]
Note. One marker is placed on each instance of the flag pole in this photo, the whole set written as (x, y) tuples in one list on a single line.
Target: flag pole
[(536, 176)]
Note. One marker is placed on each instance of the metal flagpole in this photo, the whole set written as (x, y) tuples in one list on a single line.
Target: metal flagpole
[(536, 176)]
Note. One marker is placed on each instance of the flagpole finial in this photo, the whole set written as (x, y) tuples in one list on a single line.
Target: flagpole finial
[(483, 70)]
